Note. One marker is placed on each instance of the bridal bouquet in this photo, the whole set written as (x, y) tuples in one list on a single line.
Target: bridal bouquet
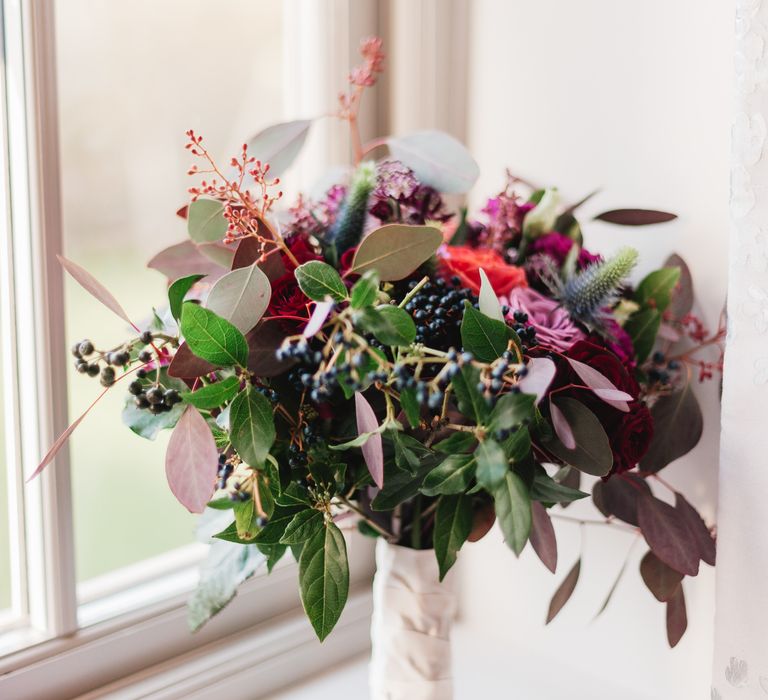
[(374, 355)]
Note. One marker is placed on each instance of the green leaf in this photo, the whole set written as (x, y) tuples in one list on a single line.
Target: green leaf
[(213, 395), (410, 406), (221, 504), (541, 219), (318, 280), (592, 454), (399, 486), (274, 530), (212, 338), (230, 534), (451, 476), (205, 221), (511, 411), (470, 401), (486, 338), (245, 519), (273, 552), (518, 445), (389, 324), (251, 426), (304, 526), (513, 509), (324, 579), (147, 424), (460, 441), (410, 453), (178, 290), (546, 489), (655, 290), (643, 327), (453, 523), (396, 250), (365, 290), (492, 464), (226, 567)]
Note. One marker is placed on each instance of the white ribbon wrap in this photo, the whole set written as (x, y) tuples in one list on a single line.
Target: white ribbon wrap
[(410, 630)]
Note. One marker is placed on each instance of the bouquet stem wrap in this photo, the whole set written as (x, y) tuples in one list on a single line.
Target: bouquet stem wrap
[(410, 631)]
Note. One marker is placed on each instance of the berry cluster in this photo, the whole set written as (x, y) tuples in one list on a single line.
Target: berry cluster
[(152, 396), (102, 363), (661, 370), (527, 334)]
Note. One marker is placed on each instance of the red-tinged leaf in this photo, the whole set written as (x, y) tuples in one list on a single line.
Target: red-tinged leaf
[(662, 580), (635, 217), (186, 365), (619, 496), (184, 259), (263, 341), (62, 439), (667, 534), (372, 448), (319, 315), (483, 518), (541, 372), (542, 536), (582, 201), (603, 387), (564, 592), (191, 461), (183, 212), (677, 618), (250, 250), (699, 530), (571, 478), (91, 285), (561, 426), (682, 295), (217, 251)]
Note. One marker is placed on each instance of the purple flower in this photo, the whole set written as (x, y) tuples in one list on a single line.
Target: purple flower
[(557, 246), (399, 197), (394, 180), (554, 328), (504, 220)]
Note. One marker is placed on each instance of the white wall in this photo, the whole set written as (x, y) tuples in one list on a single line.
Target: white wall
[(634, 98)]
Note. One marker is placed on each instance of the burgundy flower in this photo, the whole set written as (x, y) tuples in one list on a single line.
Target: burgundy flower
[(287, 299), (554, 328), (618, 342), (557, 246), (631, 437)]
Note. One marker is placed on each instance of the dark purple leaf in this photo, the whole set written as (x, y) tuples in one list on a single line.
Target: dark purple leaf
[(542, 536), (682, 295), (570, 477), (562, 429), (184, 259), (186, 365), (603, 387), (191, 461), (91, 285), (668, 535), (635, 217), (581, 202), (541, 372), (700, 532), (613, 588), (372, 449), (619, 496), (564, 592), (677, 428), (662, 580), (263, 342), (677, 619), (249, 251)]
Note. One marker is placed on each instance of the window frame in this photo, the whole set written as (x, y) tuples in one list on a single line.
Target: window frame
[(55, 655)]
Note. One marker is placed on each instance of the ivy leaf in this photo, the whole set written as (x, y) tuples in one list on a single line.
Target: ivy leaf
[(489, 302), (396, 250), (367, 423), (324, 579), (513, 509), (678, 425), (643, 327), (484, 337), (191, 461), (492, 464), (656, 289), (251, 426), (453, 523), (543, 538), (241, 297), (279, 144), (437, 159), (213, 395), (365, 290), (213, 338), (304, 525), (635, 217), (318, 281), (389, 324), (205, 221), (178, 290), (667, 534), (564, 592), (470, 401), (451, 476)]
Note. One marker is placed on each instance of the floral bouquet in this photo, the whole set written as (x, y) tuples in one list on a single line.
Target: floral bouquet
[(375, 354)]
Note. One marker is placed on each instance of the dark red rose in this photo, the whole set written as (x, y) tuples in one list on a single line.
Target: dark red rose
[(346, 260), (287, 299), (620, 344), (605, 362), (631, 438), (302, 250)]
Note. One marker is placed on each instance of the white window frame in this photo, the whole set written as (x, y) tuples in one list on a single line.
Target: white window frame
[(147, 647)]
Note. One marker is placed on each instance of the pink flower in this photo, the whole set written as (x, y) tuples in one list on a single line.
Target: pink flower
[(554, 328), (557, 246)]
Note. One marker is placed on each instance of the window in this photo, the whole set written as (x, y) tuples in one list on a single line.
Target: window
[(96, 559)]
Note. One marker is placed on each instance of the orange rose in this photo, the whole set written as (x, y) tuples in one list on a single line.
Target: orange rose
[(465, 263)]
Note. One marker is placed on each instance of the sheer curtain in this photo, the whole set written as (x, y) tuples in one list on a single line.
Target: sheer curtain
[(741, 640)]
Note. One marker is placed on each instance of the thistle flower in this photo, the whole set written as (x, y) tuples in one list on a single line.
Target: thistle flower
[(588, 293), (348, 228)]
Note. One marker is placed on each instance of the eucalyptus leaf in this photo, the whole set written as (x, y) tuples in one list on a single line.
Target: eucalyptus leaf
[(241, 297), (396, 250), (205, 221), (279, 144)]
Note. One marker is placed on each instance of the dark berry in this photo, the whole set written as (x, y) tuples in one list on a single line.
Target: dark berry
[(155, 395), (141, 373), (145, 356), (86, 348), (76, 350), (81, 366), (146, 337), (136, 387), (171, 397), (141, 401)]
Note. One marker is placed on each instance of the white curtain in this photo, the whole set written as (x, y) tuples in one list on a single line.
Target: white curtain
[(741, 639)]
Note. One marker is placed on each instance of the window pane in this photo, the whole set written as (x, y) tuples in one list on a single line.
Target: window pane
[(133, 77), (5, 541)]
